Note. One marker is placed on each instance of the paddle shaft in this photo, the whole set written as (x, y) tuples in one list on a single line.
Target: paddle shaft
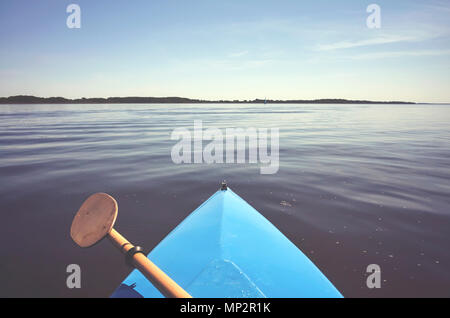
[(159, 279)]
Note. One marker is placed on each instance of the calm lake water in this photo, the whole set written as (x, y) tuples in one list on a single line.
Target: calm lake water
[(357, 185)]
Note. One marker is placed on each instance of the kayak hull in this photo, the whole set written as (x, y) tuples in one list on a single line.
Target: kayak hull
[(225, 248)]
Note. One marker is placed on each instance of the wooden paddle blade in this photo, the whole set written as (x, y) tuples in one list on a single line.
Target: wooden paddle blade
[(94, 220)]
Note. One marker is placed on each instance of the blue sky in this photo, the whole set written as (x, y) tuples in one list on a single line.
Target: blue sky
[(234, 49)]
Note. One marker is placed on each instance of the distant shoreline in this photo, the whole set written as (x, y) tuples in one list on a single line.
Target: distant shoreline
[(26, 99)]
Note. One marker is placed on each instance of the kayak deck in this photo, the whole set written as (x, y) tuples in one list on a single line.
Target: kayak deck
[(225, 248)]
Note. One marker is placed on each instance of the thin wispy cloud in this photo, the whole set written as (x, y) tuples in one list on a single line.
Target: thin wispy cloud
[(379, 55), (222, 65), (396, 54), (366, 42), (237, 54), (420, 32), (439, 7), (227, 65)]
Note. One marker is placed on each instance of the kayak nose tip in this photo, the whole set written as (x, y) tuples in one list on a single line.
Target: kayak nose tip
[(224, 186)]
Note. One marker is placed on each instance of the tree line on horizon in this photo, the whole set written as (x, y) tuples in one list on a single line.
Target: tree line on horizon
[(27, 99)]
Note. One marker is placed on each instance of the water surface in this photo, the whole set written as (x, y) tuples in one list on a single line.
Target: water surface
[(357, 185)]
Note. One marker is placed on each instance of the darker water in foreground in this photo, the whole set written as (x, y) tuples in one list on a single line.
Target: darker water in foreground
[(357, 185)]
